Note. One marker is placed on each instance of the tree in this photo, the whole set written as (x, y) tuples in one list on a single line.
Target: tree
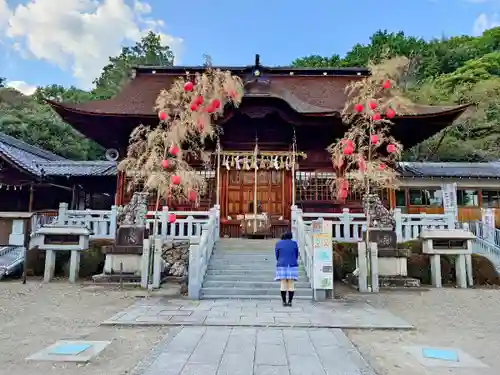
[(157, 158), (2, 82), (361, 158), (148, 51)]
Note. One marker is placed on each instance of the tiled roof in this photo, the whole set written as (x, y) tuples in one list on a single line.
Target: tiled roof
[(452, 169), (79, 168), (40, 162)]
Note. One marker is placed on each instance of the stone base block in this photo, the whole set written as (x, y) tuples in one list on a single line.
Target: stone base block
[(393, 266), (125, 263), (389, 281)]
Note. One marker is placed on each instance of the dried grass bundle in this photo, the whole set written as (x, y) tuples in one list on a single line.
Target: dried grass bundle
[(157, 157), (364, 157)]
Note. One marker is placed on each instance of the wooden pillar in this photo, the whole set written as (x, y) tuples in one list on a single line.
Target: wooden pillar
[(224, 174), (31, 197), (120, 188), (392, 198)]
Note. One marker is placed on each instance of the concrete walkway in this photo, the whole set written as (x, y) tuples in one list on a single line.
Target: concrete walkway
[(256, 313), (254, 351)]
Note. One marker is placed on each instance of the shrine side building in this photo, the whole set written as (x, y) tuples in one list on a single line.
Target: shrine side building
[(284, 110)]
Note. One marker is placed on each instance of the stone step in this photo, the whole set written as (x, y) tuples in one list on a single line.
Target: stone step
[(250, 284), (266, 297), (246, 271), (302, 292), (233, 280)]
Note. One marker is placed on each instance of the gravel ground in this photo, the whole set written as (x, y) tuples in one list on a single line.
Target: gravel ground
[(467, 319), (35, 315)]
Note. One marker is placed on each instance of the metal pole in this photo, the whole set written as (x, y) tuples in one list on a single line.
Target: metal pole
[(293, 169), (217, 199)]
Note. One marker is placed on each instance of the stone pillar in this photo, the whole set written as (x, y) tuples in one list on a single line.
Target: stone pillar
[(74, 266), (468, 266), (460, 271), (194, 283), (157, 262), (374, 267), (16, 237), (50, 264), (63, 212), (294, 216), (145, 264), (435, 260), (362, 268)]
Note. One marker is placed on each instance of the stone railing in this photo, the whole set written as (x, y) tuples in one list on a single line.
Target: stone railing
[(349, 227), (304, 240), (200, 252)]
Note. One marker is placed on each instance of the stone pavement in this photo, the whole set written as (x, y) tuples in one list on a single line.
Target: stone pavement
[(256, 313), (254, 351)]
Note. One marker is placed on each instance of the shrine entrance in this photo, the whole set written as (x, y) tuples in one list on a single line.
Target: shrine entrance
[(273, 189)]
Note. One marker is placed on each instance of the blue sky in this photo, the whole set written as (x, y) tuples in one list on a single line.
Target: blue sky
[(68, 44)]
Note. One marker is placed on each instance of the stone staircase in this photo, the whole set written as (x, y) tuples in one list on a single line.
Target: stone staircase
[(241, 268)]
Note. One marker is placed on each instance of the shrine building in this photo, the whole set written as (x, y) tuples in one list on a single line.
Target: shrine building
[(285, 112)]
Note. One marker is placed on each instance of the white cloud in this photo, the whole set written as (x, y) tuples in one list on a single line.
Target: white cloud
[(21, 86), (79, 34), (484, 22)]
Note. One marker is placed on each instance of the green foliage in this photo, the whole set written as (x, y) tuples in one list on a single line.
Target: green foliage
[(454, 70), (33, 121)]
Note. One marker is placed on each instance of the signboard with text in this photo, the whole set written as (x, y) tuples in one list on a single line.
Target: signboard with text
[(322, 254)]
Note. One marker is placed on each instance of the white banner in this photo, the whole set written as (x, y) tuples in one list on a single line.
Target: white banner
[(488, 220), (450, 196)]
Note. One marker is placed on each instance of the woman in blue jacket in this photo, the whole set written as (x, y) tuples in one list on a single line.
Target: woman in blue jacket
[(287, 266)]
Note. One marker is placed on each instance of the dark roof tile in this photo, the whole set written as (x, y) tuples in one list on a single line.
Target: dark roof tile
[(451, 169)]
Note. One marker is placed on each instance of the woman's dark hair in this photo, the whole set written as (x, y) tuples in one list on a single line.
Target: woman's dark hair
[(287, 236)]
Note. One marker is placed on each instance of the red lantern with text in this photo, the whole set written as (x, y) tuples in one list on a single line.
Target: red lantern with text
[(173, 150), (376, 117), (381, 167), (165, 164), (176, 180), (162, 115), (188, 86), (386, 84), (391, 148), (172, 218), (374, 139), (372, 104), (193, 107), (216, 103), (358, 108)]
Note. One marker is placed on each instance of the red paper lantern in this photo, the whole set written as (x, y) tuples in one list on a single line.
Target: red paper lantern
[(176, 180), (381, 166), (342, 194), (390, 113), (386, 84), (372, 104), (173, 150), (172, 218), (358, 108), (215, 103), (391, 148), (165, 163), (344, 184), (192, 195), (376, 117), (162, 116), (199, 100), (348, 150), (374, 139), (188, 86), (193, 107)]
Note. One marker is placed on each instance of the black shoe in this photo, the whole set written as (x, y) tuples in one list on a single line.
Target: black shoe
[(290, 298), (283, 297)]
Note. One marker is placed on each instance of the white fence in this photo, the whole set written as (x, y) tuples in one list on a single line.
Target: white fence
[(349, 227), (103, 223)]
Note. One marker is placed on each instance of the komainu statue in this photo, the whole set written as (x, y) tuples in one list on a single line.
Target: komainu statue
[(134, 212), (380, 216)]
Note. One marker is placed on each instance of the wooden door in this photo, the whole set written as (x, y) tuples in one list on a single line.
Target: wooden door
[(270, 192)]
